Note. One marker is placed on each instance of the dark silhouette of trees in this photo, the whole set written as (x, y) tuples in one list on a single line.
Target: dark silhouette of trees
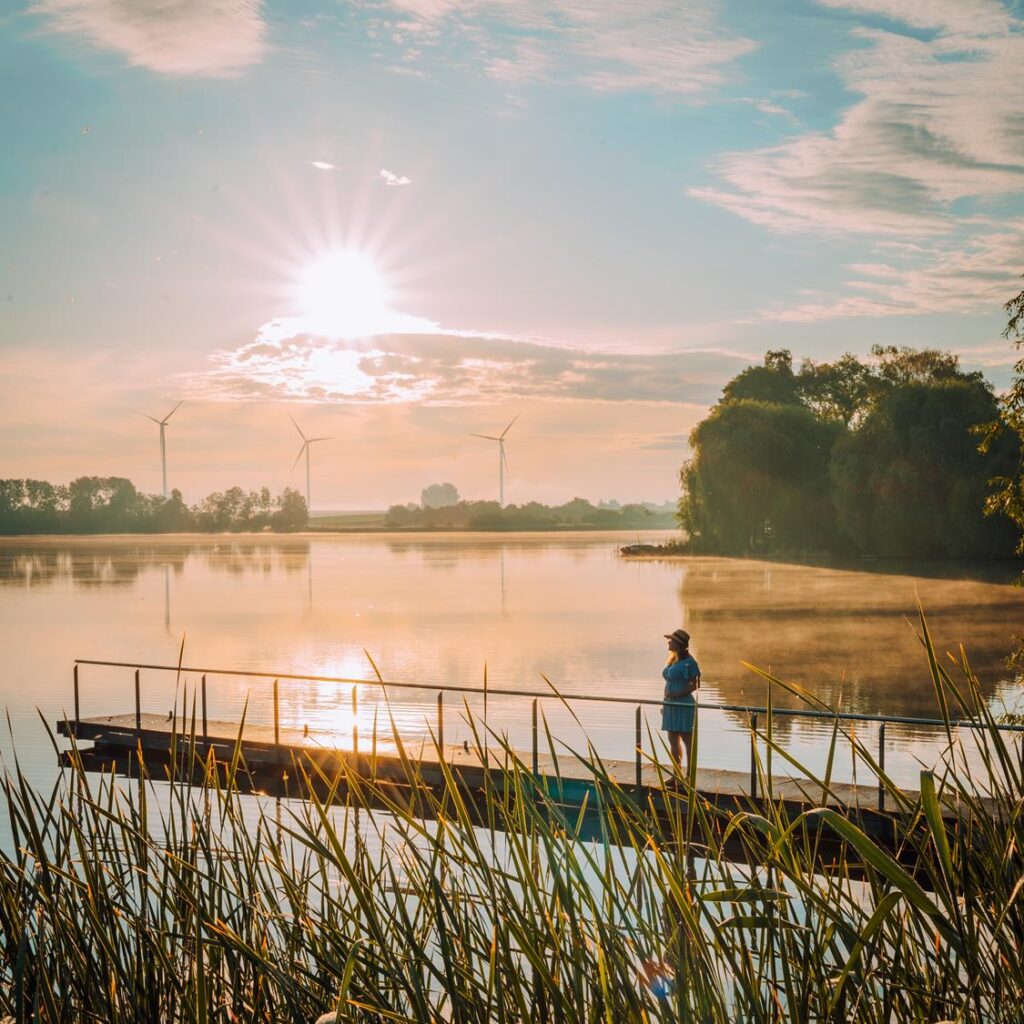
[(878, 458), (1008, 497), (774, 382), (759, 478), (911, 480), (94, 504), (837, 391)]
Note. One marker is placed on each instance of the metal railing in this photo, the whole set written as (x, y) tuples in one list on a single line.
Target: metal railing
[(752, 711)]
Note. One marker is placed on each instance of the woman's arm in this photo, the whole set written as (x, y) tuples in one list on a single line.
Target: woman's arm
[(679, 682)]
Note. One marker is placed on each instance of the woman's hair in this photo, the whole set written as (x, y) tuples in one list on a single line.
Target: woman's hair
[(677, 651)]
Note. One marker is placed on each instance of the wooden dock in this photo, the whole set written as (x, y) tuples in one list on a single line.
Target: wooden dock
[(276, 763)]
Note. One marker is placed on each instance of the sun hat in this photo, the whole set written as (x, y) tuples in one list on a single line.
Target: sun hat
[(679, 635)]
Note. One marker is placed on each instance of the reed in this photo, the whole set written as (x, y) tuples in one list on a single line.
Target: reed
[(163, 901)]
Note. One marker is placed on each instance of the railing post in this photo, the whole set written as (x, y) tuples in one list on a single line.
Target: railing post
[(277, 714), (440, 721), (535, 765), (753, 756), (206, 730), (881, 766), (138, 706), (77, 709), (355, 720), (639, 736)]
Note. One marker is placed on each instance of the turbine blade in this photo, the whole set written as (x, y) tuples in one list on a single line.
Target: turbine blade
[(312, 439), (297, 427), (148, 417), (509, 427), (486, 437), (299, 456), (173, 411)]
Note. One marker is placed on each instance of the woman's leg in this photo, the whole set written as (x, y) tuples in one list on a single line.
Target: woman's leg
[(675, 747), (686, 739)]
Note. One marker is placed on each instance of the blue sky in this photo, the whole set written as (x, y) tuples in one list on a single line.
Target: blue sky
[(590, 213)]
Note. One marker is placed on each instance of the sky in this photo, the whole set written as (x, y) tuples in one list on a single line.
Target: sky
[(402, 222)]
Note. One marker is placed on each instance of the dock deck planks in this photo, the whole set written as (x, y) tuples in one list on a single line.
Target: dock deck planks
[(262, 752)]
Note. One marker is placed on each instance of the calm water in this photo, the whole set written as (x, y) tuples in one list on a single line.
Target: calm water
[(440, 608)]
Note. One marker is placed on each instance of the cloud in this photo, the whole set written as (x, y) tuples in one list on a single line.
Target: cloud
[(322, 165), (939, 121), (971, 275), (205, 38), (606, 45), (393, 180), (934, 140), (454, 369)]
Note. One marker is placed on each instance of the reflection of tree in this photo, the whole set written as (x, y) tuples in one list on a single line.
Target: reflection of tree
[(111, 565), (847, 637)]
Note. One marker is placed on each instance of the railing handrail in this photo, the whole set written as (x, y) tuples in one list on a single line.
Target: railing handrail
[(494, 691)]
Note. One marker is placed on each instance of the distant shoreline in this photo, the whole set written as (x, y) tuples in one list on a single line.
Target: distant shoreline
[(332, 532)]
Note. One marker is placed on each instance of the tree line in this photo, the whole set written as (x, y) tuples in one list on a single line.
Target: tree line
[(905, 455), (112, 504), (490, 515)]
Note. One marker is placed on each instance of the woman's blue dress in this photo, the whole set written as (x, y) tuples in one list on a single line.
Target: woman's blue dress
[(679, 716)]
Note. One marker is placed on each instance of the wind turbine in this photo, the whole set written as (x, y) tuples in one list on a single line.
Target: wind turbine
[(306, 442), (502, 458), (162, 424)]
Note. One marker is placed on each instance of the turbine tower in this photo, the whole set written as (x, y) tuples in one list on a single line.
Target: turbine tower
[(502, 458), (162, 424), (306, 442)]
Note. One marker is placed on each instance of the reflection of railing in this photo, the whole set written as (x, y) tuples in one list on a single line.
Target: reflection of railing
[(442, 688)]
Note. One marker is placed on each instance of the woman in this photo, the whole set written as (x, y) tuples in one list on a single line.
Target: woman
[(682, 679)]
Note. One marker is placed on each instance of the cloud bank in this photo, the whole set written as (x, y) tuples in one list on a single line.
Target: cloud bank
[(204, 38), (446, 369)]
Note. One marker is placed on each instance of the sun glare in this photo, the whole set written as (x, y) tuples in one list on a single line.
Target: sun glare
[(343, 294)]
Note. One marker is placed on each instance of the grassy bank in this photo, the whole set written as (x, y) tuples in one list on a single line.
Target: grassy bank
[(170, 902)]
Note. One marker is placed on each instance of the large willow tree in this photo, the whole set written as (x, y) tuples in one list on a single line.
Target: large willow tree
[(875, 457)]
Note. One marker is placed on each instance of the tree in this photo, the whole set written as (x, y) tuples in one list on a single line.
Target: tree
[(291, 512), (898, 367), (773, 382), (911, 481), (1008, 497), (838, 390), (439, 496), (758, 479)]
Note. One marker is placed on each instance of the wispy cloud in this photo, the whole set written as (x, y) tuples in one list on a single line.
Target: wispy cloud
[(393, 180), (972, 275), (939, 121), (206, 38), (450, 369), (937, 131), (322, 165), (608, 45)]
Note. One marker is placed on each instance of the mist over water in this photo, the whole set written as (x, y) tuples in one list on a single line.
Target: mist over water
[(438, 608)]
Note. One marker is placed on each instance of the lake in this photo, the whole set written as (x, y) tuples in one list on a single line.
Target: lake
[(442, 608)]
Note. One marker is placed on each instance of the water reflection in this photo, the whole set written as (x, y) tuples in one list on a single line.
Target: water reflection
[(106, 563), (848, 636), (438, 609)]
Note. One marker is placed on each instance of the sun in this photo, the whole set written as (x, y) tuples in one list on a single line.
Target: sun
[(343, 294)]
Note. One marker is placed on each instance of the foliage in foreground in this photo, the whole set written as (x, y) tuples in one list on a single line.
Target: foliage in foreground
[(203, 905)]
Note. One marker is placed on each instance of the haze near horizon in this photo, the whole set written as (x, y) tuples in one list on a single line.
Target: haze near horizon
[(406, 222)]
